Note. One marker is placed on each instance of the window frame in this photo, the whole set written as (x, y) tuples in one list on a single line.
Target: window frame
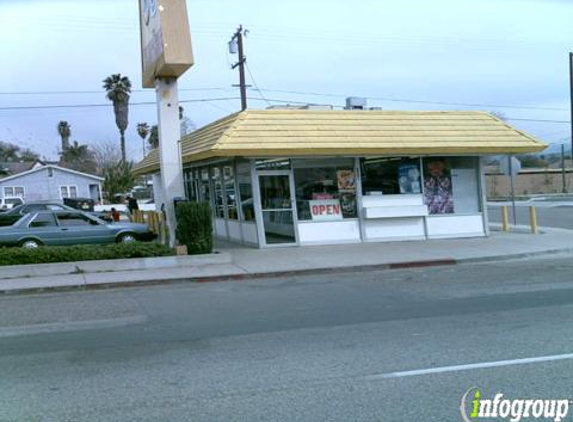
[(68, 190), (14, 195)]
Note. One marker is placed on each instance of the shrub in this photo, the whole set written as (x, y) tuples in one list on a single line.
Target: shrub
[(47, 254), (194, 226)]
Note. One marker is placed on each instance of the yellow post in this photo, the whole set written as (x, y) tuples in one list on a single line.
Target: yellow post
[(504, 219), (533, 220)]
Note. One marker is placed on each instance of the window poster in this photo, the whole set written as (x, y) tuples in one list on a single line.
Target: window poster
[(438, 194), (409, 178), (346, 181)]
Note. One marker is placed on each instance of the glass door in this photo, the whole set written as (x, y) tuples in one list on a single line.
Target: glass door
[(277, 208)]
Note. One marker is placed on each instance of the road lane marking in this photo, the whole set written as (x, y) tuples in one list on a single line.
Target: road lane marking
[(467, 367)]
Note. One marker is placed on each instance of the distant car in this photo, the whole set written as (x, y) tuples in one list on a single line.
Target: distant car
[(69, 228), (9, 203), (82, 204), (10, 217)]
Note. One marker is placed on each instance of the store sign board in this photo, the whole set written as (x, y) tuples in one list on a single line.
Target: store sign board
[(165, 39), (325, 210)]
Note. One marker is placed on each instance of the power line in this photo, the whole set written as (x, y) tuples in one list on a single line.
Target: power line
[(200, 100), (402, 100), (109, 105), (255, 83), (102, 92)]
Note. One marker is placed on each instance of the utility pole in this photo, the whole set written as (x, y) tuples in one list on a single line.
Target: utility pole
[(563, 180), (235, 44), (571, 97)]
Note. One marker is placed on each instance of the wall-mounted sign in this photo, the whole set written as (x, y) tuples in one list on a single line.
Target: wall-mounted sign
[(325, 210), (165, 39)]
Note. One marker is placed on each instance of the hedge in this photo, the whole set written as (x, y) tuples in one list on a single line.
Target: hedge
[(47, 254), (194, 226)]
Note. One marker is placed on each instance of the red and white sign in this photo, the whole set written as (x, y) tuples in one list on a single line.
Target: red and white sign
[(325, 210)]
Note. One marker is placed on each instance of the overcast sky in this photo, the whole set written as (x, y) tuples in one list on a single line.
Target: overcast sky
[(491, 53)]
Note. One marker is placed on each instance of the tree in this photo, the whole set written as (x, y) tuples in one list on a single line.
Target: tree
[(28, 155), (64, 129), (118, 179), (79, 157), (118, 89), (13, 153), (153, 137), (143, 130), (186, 125)]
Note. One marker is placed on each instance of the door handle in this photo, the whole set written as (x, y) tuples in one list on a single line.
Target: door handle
[(64, 228)]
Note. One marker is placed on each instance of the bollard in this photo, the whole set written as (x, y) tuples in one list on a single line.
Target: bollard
[(533, 220), (504, 219)]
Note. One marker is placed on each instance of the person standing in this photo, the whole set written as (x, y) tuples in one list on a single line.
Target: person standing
[(132, 204)]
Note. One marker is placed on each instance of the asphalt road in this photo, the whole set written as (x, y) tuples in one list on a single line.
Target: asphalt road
[(315, 348), (550, 213)]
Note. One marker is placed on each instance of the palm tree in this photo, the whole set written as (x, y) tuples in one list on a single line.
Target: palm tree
[(118, 89), (153, 137), (65, 131), (79, 157), (143, 130)]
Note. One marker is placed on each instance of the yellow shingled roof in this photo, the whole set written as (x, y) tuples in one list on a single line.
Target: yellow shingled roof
[(296, 133)]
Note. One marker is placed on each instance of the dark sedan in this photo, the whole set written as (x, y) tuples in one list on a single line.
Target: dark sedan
[(8, 218), (69, 228)]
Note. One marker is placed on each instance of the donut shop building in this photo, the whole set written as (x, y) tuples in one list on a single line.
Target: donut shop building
[(309, 177)]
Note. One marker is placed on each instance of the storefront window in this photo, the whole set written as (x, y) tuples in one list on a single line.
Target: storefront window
[(190, 181), (325, 189), (390, 176), (218, 194), (229, 178), (451, 185), (204, 191), (245, 190)]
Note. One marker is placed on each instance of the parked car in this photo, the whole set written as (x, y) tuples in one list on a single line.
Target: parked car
[(69, 228), (9, 203), (10, 217), (82, 204)]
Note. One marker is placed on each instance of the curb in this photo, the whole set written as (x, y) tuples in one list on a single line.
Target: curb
[(290, 273)]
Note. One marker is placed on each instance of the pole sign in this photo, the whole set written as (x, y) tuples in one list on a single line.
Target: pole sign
[(165, 39), (325, 210)]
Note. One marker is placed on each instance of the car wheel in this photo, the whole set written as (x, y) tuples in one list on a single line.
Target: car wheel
[(126, 238), (30, 243)]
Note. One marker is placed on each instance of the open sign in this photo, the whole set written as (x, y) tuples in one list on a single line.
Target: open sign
[(325, 210)]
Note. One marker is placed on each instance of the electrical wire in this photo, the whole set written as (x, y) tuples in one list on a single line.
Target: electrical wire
[(402, 100), (255, 83), (110, 104)]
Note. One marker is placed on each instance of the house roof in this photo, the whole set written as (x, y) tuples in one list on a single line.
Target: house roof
[(10, 168), (34, 170), (292, 133)]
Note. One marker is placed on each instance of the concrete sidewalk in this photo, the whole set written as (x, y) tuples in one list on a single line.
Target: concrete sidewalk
[(232, 262)]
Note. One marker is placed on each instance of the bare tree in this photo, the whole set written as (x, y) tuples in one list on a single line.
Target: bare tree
[(105, 153)]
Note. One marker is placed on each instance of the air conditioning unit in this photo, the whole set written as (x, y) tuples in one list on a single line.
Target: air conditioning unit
[(355, 103)]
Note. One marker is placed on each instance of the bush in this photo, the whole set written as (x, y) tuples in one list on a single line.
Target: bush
[(194, 226), (47, 254)]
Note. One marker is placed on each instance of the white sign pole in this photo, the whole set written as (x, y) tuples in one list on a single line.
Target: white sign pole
[(170, 164), (512, 181)]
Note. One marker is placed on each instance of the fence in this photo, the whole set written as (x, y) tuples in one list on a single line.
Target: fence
[(154, 220)]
